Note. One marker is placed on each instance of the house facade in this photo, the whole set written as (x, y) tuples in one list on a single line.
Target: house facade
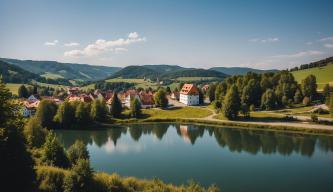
[(189, 95)]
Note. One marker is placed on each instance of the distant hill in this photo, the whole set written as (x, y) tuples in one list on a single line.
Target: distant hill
[(166, 72), (135, 72), (193, 73), (56, 70), (14, 74), (239, 70)]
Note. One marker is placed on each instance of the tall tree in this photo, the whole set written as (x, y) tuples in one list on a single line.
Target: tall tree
[(116, 107), (82, 113), (53, 153), (211, 92), (309, 87), (326, 93), (35, 133), (135, 108), (231, 103), (99, 110), (268, 100), (16, 164), (23, 92), (160, 98), (77, 151), (65, 115), (45, 113)]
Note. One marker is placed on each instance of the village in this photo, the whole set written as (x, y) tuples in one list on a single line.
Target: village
[(187, 96)]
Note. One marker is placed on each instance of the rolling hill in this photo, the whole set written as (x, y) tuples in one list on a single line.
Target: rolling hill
[(135, 72), (239, 70), (14, 74), (56, 70), (193, 73)]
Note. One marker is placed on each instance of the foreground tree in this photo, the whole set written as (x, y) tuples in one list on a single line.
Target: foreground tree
[(45, 113), (309, 87), (53, 153), (35, 133), (160, 98), (116, 107), (82, 113), (23, 92), (65, 115), (77, 151), (231, 103), (16, 164), (80, 177), (135, 108), (268, 100)]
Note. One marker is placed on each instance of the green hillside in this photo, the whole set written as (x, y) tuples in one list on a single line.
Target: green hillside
[(14, 74), (56, 70), (323, 74), (135, 72)]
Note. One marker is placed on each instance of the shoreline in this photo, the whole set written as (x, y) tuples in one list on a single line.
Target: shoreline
[(265, 126)]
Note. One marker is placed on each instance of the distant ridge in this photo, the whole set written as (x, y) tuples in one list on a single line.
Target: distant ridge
[(240, 70)]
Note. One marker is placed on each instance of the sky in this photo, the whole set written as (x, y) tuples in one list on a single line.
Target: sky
[(264, 34)]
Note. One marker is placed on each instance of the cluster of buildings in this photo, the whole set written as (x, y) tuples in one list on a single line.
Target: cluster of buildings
[(188, 95)]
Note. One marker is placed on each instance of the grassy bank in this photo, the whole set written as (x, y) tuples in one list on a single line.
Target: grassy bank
[(185, 112)]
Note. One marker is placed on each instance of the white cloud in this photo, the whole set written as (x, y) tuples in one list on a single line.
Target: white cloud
[(51, 43), (71, 44), (298, 54), (120, 50), (101, 46), (326, 39), (328, 45), (268, 40)]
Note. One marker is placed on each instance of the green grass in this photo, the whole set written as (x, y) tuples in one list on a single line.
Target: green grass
[(49, 75), (52, 85), (257, 116), (186, 112), (324, 75), (138, 82), (13, 87)]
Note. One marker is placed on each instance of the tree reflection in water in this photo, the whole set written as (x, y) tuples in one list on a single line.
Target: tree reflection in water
[(236, 140)]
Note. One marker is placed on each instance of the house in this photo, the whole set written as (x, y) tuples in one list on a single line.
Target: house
[(82, 97), (73, 90), (29, 108), (33, 98), (146, 99), (189, 95), (129, 96)]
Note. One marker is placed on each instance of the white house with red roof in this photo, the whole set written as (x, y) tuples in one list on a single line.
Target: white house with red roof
[(189, 95)]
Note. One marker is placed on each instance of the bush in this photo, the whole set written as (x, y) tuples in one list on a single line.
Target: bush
[(50, 179)]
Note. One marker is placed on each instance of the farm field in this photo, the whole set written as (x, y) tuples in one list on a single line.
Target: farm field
[(49, 75), (186, 79), (324, 75)]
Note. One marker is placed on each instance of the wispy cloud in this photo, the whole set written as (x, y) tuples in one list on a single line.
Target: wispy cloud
[(327, 45), (326, 39), (51, 43), (267, 40), (101, 46), (71, 44), (298, 54)]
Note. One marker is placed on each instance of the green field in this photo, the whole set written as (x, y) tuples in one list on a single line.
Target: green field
[(138, 82), (186, 112), (49, 75), (324, 75), (13, 87)]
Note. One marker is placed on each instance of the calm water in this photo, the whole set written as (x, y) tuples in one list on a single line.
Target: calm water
[(234, 159)]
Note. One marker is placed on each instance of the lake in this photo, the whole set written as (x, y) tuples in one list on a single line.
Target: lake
[(233, 159)]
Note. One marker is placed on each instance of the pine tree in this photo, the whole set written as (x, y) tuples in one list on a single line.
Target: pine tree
[(231, 103), (23, 92), (116, 107), (16, 164)]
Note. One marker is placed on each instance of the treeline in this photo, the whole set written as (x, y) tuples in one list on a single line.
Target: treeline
[(32, 89), (320, 63), (266, 91), (32, 159), (116, 86)]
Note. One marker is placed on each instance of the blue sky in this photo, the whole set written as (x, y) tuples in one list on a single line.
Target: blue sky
[(191, 33)]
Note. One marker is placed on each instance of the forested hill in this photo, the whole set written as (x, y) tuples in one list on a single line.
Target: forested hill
[(57, 70), (163, 72), (239, 70), (14, 74)]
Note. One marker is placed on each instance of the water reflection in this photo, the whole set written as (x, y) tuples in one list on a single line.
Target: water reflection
[(236, 140)]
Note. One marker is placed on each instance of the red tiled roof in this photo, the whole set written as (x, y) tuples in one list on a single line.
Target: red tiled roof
[(189, 89)]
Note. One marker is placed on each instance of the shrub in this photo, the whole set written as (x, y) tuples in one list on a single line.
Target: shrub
[(50, 179)]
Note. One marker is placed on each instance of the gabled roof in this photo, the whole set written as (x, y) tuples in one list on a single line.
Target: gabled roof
[(189, 89)]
